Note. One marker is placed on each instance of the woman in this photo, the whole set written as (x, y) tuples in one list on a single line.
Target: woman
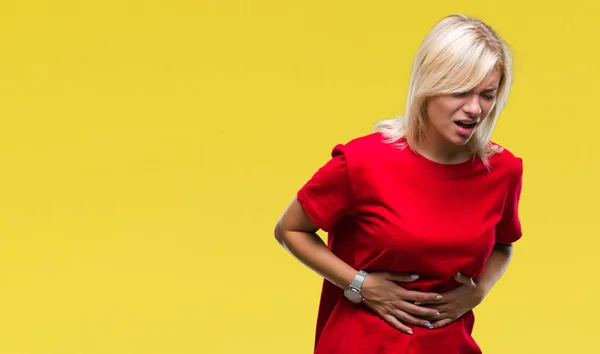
[(422, 213)]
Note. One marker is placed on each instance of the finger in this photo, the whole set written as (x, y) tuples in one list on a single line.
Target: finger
[(419, 296), (460, 278), (402, 277), (439, 299), (419, 310), (394, 322), (442, 316), (407, 318), (444, 308), (464, 279), (442, 323)]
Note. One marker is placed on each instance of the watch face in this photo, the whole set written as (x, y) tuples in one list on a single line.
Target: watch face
[(353, 296)]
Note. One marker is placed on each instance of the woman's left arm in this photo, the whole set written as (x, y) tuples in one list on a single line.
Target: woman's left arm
[(495, 266), (470, 293)]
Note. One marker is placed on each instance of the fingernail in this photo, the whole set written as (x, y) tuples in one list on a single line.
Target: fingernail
[(438, 297), (409, 331), (428, 325), (418, 303), (414, 276), (436, 314)]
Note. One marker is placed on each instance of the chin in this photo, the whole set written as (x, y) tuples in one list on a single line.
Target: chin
[(459, 140)]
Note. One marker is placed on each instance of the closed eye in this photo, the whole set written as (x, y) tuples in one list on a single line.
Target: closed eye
[(462, 94), (489, 94)]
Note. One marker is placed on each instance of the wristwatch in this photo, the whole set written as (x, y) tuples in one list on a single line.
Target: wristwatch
[(352, 292)]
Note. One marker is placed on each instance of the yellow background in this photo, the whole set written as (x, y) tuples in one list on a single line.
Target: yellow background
[(147, 149)]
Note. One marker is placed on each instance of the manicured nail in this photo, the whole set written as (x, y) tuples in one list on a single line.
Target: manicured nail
[(428, 325), (436, 314), (409, 331), (414, 276), (439, 297)]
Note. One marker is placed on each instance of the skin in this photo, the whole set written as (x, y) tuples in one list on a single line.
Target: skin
[(470, 293), (396, 305), (297, 233), (442, 142)]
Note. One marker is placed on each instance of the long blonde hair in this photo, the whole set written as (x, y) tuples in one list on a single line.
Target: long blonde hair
[(455, 56)]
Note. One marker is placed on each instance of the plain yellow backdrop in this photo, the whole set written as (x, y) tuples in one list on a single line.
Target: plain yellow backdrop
[(147, 149)]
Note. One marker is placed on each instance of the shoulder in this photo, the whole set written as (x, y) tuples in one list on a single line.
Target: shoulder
[(507, 161), (365, 148)]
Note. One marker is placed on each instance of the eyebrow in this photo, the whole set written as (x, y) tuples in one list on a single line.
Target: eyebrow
[(490, 89)]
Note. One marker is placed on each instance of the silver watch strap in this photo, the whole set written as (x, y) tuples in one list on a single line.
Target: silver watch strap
[(358, 279)]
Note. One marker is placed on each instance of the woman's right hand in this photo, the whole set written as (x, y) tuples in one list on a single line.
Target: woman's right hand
[(393, 303)]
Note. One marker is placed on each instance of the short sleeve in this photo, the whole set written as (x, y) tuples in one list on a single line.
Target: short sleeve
[(508, 230), (327, 196)]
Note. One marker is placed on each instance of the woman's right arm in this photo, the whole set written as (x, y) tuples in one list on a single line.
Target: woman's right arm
[(298, 234)]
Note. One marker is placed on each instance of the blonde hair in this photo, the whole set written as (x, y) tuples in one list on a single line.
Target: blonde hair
[(455, 56)]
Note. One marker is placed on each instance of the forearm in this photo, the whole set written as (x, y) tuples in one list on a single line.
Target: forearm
[(312, 251), (495, 266)]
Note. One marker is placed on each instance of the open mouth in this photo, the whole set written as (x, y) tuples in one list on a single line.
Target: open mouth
[(466, 125)]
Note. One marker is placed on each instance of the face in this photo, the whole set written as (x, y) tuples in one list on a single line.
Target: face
[(452, 118)]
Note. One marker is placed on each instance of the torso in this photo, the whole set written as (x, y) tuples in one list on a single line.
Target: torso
[(411, 215)]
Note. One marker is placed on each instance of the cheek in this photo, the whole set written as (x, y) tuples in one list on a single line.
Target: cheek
[(453, 105), (442, 109), (487, 107)]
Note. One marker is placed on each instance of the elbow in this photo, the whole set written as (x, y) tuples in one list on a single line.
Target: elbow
[(278, 233)]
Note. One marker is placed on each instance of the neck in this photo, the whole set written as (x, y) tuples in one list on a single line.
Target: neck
[(442, 152)]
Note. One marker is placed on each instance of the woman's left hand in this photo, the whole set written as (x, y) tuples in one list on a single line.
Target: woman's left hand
[(456, 302)]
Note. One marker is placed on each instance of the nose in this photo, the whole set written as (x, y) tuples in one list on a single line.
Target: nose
[(472, 106)]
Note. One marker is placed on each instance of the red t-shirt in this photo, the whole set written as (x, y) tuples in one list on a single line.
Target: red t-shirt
[(387, 208)]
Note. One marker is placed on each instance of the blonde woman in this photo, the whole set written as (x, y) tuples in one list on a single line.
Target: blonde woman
[(422, 213)]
